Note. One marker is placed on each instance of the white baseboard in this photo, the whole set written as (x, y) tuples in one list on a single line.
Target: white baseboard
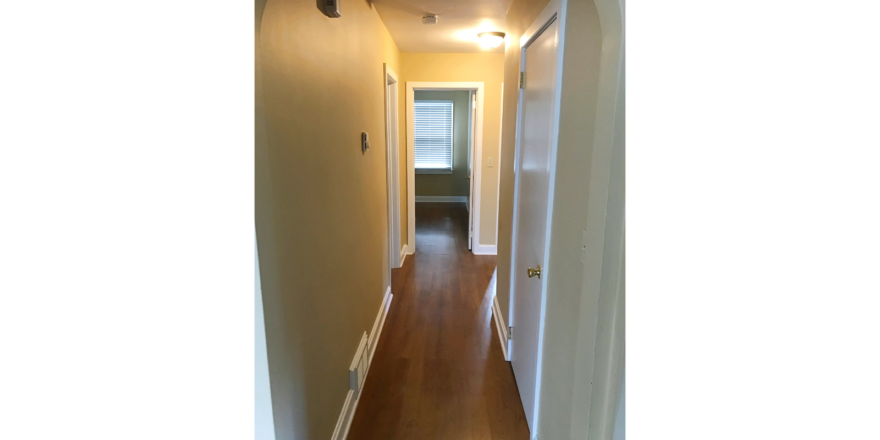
[(485, 249), (379, 324), (343, 424), (403, 254), (500, 326), (442, 199)]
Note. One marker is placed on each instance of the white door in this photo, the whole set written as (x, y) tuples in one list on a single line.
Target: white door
[(533, 180), (472, 124)]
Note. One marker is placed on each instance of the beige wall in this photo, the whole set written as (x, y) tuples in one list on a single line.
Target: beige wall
[(323, 261), (456, 183), (459, 67), (520, 16)]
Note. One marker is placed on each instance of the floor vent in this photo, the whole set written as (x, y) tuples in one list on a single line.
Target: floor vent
[(359, 367)]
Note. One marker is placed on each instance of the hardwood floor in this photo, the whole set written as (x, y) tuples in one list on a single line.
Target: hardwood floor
[(438, 372)]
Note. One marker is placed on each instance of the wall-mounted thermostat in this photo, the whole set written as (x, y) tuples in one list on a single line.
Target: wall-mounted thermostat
[(331, 8), (365, 142)]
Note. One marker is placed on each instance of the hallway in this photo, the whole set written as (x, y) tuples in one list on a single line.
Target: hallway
[(438, 371)]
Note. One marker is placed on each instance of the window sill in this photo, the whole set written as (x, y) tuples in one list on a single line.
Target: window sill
[(433, 171)]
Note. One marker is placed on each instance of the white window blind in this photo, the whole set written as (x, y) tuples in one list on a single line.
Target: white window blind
[(433, 135)]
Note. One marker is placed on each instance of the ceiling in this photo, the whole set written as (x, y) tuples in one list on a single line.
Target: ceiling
[(458, 23)]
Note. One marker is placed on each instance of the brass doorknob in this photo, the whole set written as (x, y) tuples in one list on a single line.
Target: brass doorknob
[(535, 272)]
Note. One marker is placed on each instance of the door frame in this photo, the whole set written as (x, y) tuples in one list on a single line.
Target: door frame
[(551, 13), (472, 123), (396, 253), (474, 205)]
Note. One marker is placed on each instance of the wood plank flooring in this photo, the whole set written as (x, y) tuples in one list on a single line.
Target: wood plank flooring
[(438, 372)]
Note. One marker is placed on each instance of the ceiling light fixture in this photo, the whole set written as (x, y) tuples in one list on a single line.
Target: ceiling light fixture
[(491, 40)]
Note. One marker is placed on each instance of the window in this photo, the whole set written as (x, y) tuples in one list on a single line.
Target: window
[(433, 136)]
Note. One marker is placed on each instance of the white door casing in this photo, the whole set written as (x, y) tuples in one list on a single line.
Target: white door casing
[(476, 175), (392, 155), (533, 174), (472, 123)]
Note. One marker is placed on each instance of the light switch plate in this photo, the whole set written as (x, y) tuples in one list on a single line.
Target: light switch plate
[(491, 162)]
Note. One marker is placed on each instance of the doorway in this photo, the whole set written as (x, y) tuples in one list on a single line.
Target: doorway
[(474, 102), (396, 253)]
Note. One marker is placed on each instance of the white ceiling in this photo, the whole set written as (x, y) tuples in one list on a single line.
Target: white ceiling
[(458, 23)]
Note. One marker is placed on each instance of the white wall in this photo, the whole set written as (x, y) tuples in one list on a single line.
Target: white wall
[(584, 321), (264, 423)]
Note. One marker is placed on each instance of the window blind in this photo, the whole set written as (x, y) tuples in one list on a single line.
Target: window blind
[(433, 135)]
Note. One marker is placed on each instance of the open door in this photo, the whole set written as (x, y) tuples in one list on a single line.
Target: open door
[(472, 114)]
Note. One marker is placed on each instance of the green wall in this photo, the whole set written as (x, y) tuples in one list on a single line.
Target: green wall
[(455, 184)]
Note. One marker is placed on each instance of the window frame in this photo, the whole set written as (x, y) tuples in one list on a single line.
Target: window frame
[(451, 143)]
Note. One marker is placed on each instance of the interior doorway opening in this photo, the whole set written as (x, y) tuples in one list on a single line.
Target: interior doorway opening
[(443, 135), (396, 251), (446, 174)]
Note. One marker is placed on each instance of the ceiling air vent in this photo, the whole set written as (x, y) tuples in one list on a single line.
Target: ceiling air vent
[(429, 19)]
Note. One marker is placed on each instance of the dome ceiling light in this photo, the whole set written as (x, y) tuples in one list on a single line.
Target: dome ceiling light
[(491, 40)]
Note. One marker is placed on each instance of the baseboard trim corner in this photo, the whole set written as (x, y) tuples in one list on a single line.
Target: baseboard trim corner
[(500, 326), (485, 249), (403, 254)]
